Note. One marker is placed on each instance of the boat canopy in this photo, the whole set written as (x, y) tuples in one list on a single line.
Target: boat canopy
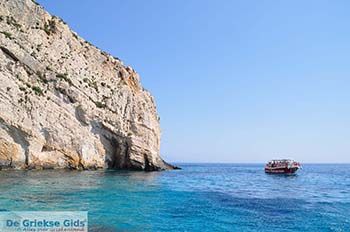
[(281, 161)]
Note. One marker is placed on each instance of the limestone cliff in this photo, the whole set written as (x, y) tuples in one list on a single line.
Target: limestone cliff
[(66, 104)]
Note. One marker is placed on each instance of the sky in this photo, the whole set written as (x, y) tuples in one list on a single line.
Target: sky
[(234, 81)]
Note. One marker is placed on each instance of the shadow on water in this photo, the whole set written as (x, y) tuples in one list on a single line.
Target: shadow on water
[(282, 176), (132, 175), (59, 174)]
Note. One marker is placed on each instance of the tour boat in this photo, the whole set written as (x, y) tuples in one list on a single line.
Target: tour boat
[(284, 166)]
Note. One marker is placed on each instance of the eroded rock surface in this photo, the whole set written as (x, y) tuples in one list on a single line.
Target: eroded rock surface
[(66, 104)]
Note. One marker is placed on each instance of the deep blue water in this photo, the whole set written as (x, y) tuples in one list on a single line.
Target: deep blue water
[(211, 197)]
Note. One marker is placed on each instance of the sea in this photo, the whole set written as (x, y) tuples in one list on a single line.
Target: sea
[(200, 197)]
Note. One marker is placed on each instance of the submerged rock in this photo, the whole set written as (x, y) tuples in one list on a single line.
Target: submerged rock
[(66, 104)]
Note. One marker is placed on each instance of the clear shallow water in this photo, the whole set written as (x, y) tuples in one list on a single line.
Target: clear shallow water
[(213, 197)]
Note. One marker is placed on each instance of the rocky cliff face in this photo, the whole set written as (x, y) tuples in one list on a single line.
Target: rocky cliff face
[(66, 104)]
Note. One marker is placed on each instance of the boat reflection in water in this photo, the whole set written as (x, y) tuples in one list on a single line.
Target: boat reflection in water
[(283, 166)]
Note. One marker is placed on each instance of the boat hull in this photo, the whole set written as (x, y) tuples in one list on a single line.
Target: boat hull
[(281, 170)]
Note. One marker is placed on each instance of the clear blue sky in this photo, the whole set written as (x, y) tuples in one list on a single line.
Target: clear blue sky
[(235, 81)]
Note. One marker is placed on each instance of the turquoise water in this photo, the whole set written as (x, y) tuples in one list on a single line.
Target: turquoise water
[(211, 197)]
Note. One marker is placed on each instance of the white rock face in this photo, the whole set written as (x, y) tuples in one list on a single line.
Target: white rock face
[(66, 104)]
